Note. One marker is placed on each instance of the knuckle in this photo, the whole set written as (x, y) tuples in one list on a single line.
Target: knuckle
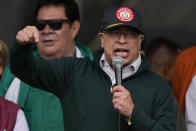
[(18, 39), (19, 33), (17, 36), (28, 27), (35, 28)]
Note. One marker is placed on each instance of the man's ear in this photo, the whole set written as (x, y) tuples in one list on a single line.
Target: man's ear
[(141, 40), (142, 37), (75, 28), (166, 71), (101, 36)]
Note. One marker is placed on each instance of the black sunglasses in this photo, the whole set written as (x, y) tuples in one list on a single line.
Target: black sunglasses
[(54, 24)]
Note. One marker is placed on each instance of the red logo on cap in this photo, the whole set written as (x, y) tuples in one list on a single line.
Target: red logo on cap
[(124, 14)]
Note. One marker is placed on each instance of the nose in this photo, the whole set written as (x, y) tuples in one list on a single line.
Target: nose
[(47, 30), (122, 38)]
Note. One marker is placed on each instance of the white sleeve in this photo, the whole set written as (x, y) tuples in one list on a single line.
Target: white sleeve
[(21, 123), (190, 109)]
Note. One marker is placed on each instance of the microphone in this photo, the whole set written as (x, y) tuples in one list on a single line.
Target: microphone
[(118, 62)]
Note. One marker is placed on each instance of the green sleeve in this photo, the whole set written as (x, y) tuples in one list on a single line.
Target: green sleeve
[(164, 117), (50, 75)]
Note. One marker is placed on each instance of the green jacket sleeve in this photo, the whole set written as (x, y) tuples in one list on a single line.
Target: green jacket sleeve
[(43, 74), (163, 118)]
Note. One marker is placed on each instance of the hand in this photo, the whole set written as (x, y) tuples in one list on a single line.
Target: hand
[(29, 34), (122, 100)]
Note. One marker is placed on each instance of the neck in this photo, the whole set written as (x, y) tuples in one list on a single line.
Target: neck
[(69, 51)]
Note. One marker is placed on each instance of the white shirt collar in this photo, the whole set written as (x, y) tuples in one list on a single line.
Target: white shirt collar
[(126, 71), (78, 53)]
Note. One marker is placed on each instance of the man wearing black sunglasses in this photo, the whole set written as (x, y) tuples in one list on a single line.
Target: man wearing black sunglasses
[(56, 26)]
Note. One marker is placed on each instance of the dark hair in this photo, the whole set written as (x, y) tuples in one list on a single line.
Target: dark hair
[(158, 42), (3, 54), (71, 8)]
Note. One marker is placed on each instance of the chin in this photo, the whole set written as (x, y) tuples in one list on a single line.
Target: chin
[(49, 51), (127, 62)]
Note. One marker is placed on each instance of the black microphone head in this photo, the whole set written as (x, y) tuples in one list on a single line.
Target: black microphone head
[(117, 61)]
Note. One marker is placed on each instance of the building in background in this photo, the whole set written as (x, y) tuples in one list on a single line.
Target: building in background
[(174, 19)]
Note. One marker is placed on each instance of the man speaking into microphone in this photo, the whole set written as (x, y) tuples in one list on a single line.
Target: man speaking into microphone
[(142, 98)]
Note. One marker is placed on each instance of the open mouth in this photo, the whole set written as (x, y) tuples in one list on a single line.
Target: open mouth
[(121, 52), (48, 42)]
